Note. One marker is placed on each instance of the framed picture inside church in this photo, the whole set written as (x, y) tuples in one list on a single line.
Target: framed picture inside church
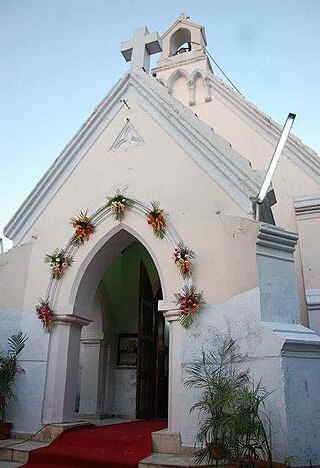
[(127, 350)]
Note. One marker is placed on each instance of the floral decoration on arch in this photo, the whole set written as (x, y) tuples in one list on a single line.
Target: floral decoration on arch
[(190, 303), (59, 261), (45, 314), (83, 228), (119, 204), (182, 258), (156, 219)]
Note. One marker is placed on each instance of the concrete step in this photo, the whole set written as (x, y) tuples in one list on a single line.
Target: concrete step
[(12, 450), (17, 450), (5, 464), (50, 432), (170, 460)]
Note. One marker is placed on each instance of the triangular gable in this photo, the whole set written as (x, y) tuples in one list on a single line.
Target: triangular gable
[(215, 155)]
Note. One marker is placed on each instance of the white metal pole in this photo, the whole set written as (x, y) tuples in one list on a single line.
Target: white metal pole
[(276, 156)]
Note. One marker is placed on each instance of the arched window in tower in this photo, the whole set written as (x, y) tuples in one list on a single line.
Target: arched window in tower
[(180, 42)]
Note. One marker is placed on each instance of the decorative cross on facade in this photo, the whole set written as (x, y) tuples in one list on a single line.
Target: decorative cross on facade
[(139, 49), (183, 16)]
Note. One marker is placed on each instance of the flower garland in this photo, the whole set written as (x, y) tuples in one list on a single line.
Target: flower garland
[(45, 314), (156, 219), (190, 302), (119, 205), (58, 262), (83, 227), (182, 258)]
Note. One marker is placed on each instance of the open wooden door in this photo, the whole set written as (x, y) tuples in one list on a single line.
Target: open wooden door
[(146, 385), (152, 369)]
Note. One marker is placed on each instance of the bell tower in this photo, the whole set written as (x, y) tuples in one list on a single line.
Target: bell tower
[(183, 66)]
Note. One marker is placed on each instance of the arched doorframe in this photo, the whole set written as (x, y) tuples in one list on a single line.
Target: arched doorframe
[(73, 302)]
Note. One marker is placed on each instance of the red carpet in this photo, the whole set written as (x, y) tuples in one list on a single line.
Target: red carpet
[(117, 445)]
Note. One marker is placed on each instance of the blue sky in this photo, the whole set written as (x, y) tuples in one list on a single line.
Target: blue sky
[(58, 58)]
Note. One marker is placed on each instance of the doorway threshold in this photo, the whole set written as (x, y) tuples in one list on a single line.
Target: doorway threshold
[(102, 420)]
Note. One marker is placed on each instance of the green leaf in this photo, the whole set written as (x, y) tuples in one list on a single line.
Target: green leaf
[(8, 369), (233, 426)]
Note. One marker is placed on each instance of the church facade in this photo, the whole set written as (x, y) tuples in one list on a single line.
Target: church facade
[(184, 138)]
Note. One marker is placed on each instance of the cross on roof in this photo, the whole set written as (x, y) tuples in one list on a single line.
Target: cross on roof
[(183, 16), (139, 49)]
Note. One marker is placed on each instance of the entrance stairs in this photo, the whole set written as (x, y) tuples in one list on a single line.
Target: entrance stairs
[(166, 448), (15, 452), (167, 452)]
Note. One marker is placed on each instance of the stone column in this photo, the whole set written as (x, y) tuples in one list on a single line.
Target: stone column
[(277, 276), (62, 369), (192, 92), (207, 90), (297, 374), (93, 374), (307, 210), (172, 316)]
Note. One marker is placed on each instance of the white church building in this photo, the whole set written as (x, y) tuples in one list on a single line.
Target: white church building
[(179, 135)]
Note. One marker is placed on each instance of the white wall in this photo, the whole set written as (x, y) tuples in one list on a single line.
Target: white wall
[(25, 412), (125, 386), (240, 316), (293, 379)]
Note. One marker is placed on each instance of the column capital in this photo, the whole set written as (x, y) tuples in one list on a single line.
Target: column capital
[(170, 310), (164, 305), (307, 206), (171, 315), (276, 242), (72, 320)]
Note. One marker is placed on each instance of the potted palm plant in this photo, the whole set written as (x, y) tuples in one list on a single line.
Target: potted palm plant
[(233, 428), (8, 368)]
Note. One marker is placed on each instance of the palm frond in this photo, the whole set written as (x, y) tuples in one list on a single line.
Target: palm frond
[(8, 369), (233, 425), (16, 343)]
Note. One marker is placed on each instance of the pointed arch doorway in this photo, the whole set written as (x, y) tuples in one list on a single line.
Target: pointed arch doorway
[(124, 350)]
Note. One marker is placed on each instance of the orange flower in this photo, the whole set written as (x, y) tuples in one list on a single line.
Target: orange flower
[(156, 220)]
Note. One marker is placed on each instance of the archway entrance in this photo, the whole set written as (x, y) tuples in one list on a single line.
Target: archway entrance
[(123, 368)]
